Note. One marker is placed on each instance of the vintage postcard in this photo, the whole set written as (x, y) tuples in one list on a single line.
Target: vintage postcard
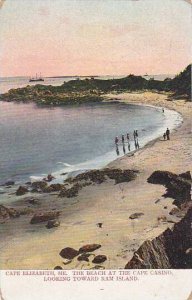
[(95, 149)]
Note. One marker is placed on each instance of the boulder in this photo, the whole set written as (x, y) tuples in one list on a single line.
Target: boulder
[(84, 257), (44, 216), (161, 177), (89, 248), (39, 185), (178, 186), (22, 190), (7, 212), (9, 183), (58, 268), (68, 253), (52, 224), (99, 259), (136, 215)]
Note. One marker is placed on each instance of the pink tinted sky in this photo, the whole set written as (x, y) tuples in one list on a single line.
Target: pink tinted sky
[(82, 37)]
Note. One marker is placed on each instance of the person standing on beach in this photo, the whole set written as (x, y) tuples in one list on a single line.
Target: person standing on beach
[(116, 140), (134, 136), (164, 136), (168, 134), (128, 137), (123, 139), (124, 149)]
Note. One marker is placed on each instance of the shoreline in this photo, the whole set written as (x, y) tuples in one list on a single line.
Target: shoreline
[(110, 204), (100, 162)]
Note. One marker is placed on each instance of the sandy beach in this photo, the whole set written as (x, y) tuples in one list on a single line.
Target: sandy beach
[(26, 246)]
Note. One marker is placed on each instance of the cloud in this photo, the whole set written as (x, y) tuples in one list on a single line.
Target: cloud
[(1, 3)]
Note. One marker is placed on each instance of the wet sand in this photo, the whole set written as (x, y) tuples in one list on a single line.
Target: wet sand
[(26, 246)]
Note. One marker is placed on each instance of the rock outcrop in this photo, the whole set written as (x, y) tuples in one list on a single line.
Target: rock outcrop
[(6, 213), (170, 250), (44, 216), (178, 186), (70, 192), (99, 176), (22, 190)]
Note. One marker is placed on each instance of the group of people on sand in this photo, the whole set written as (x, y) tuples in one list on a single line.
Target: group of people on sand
[(135, 136), (166, 134)]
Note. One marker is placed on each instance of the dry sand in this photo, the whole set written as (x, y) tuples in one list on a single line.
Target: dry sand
[(34, 247)]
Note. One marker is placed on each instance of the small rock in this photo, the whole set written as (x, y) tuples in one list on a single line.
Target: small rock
[(136, 216), (52, 223), (97, 267), (84, 257), (33, 200), (100, 225), (165, 207), (58, 268), (68, 253), (89, 248), (99, 259), (22, 190)]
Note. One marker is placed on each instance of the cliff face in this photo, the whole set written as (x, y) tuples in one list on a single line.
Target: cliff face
[(170, 250), (173, 248)]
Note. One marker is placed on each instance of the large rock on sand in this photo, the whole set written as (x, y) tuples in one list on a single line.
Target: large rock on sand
[(89, 248), (99, 259), (6, 213), (99, 176), (22, 190), (68, 253), (178, 186), (44, 216)]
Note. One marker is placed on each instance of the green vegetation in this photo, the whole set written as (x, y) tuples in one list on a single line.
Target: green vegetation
[(91, 90)]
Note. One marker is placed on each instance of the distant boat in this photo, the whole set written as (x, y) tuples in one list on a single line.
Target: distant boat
[(34, 79)]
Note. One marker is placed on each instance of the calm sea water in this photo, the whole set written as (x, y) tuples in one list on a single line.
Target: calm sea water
[(36, 141)]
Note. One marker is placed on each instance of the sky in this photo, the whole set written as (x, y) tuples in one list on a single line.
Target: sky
[(94, 37)]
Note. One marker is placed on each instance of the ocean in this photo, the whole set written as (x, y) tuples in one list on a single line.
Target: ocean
[(35, 141)]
